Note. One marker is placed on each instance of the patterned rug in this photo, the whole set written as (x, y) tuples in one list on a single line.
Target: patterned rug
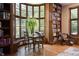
[(72, 51)]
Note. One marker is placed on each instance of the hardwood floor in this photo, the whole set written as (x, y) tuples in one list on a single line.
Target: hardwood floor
[(48, 50)]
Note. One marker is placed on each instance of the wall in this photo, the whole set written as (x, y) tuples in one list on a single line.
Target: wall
[(65, 17), (47, 22)]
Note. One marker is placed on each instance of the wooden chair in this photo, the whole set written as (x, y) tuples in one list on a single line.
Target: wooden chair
[(37, 40), (28, 41), (65, 39), (40, 39)]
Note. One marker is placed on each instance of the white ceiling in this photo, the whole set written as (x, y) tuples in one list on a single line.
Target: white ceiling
[(64, 4)]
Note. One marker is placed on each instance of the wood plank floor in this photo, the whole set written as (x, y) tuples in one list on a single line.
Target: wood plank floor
[(48, 50)]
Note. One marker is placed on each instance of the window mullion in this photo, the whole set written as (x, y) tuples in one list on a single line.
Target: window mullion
[(78, 20), (39, 18), (32, 11), (20, 20)]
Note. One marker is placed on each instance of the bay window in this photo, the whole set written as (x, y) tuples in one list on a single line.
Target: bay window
[(23, 11)]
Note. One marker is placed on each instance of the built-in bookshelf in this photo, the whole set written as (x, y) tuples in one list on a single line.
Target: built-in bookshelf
[(55, 20), (5, 19), (5, 31)]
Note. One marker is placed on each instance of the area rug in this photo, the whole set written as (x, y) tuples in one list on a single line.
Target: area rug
[(71, 51)]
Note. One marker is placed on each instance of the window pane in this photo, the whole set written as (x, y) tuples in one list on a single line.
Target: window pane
[(41, 11), (74, 13), (17, 9), (29, 11), (41, 22), (23, 10), (74, 28), (23, 27), (37, 26), (17, 28), (42, 25), (23, 22), (36, 12), (42, 29), (17, 32), (17, 22)]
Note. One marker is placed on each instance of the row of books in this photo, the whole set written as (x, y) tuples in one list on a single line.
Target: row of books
[(57, 7), (4, 15), (55, 30), (56, 22), (1, 6)]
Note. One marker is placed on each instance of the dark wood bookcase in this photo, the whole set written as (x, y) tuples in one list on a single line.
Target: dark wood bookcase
[(5, 19), (55, 20)]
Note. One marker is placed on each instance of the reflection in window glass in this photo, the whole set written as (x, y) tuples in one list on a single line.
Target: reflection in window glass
[(74, 14), (29, 11), (36, 12), (41, 11), (17, 27), (23, 10), (17, 9), (74, 27), (23, 27)]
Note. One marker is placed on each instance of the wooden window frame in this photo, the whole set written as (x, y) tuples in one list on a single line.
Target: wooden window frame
[(21, 17), (74, 19)]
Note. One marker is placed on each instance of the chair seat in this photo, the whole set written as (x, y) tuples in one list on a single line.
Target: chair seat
[(30, 41), (38, 39)]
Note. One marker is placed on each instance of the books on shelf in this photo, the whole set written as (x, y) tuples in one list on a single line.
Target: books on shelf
[(58, 7), (1, 6), (5, 15), (58, 11), (0, 24), (58, 26), (53, 17), (54, 22), (54, 6), (56, 19), (54, 34), (1, 33), (55, 14), (54, 26), (58, 23), (53, 9), (58, 30), (54, 30)]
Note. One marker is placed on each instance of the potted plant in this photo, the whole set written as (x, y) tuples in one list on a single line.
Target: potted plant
[(31, 24)]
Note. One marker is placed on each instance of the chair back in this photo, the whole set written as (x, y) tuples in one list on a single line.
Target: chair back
[(40, 34), (64, 36), (26, 35)]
